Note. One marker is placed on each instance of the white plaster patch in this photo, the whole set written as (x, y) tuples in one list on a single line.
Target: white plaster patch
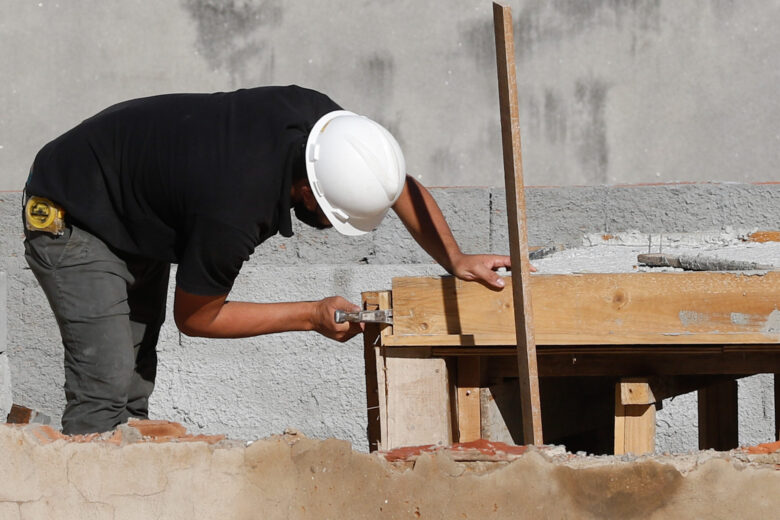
[(689, 318), (772, 324)]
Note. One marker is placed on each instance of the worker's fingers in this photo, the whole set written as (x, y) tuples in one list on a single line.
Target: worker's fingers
[(499, 261), (491, 277), (482, 268), (341, 304), (325, 322)]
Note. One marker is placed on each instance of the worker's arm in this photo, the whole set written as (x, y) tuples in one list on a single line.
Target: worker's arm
[(214, 317), (422, 217)]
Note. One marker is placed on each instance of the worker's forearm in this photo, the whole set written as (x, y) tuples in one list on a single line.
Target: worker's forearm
[(245, 319), (419, 212)]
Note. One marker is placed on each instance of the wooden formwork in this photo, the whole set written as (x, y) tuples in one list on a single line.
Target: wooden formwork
[(657, 334)]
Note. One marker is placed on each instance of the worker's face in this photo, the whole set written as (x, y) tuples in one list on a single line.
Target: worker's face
[(314, 218)]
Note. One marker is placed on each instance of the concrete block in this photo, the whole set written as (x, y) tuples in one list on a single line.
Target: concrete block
[(554, 216), (328, 246), (467, 211), (683, 208), (6, 399), (11, 233)]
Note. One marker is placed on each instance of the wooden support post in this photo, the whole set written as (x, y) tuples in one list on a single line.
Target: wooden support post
[(374, 369), (518, 236), (376, 384), (718, 416), (411, 390), (634, 417), (468, 404)]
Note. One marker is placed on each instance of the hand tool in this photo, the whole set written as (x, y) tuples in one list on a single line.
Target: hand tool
[(380, 316), (700, 263)]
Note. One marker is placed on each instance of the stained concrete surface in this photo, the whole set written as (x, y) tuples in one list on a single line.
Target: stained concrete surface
[(256, 387), (5, 372), (609, 91), (293, 477)]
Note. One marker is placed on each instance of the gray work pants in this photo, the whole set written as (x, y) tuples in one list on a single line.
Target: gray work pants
[(109, 308)]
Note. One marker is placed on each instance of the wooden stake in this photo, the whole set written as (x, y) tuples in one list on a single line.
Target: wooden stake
[(634, 417), (518, 236), (374, 369), (469, 414)]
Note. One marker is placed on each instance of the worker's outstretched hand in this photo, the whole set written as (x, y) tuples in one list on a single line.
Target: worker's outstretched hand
[(325, 323), (482, 268)]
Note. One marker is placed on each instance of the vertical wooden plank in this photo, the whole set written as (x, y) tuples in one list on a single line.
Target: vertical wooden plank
[(418, 400), (634, 423), (718, 416), (518, 236), (374, 372), (468, 403), (620, 423), (384, 301)]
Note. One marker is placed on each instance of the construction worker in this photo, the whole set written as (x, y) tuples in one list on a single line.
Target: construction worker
[(200, 180)]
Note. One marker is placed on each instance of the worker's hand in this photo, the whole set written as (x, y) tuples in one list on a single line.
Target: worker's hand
[(324, 321), (482, 268)]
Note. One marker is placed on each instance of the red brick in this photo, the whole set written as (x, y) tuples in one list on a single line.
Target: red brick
[(769, 447)]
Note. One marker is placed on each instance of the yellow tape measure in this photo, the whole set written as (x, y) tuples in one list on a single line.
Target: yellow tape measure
[(44, 215)]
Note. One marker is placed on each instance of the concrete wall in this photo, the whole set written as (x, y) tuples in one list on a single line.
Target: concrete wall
[(294, 478), (5, 373), (611, 91), (254, 387)]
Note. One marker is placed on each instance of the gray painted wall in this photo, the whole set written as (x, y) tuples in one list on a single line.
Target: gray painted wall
[(254, 387), (611, 91)]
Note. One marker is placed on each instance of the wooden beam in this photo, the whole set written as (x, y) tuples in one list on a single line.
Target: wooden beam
[(518, 235), (718, 416), (595, 309), (468, 404), (634, 423), (645, 363)]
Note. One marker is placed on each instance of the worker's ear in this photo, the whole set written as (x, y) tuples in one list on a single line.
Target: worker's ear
[(308, 198)]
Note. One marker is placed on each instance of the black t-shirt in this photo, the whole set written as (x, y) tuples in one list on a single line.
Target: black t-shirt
[(196, 179)]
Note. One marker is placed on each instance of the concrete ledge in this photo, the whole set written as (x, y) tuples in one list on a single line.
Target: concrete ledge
[(291, 476)]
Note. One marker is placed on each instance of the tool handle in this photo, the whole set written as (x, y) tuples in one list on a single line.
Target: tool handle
[(342, 316)]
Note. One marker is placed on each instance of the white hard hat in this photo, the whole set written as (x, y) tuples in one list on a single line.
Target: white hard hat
[(356, 170)]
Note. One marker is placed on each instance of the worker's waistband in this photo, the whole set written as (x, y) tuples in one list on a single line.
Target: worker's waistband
[(43, 215)]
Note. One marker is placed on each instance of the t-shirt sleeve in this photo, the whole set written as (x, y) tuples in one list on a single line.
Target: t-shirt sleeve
[(314, 104), (212, 257)]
